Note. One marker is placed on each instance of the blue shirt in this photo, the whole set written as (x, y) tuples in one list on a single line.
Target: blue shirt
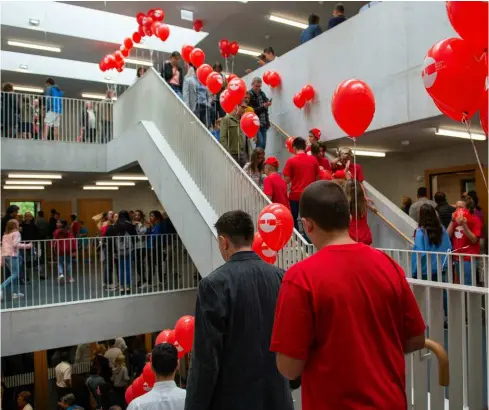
[(310, 32), (217, 134), (422, 243), (202, 98), (334, 21)]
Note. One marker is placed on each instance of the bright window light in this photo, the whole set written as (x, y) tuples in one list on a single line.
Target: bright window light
[(248, 52), (129, 178), (100, 188), (368, 153), (34, 46), (460, 134), (293, 23), (28, 89), (112, 183), (186, 15), (31, 187), (35, 176), (138, 62), (39, 182)]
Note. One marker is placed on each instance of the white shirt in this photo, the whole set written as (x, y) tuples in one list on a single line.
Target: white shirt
[(163, 396), (112, 354), (63, 372), (27, 407)]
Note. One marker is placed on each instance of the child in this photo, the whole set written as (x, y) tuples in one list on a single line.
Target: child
[(120, 378), (66, 246), (10, 254), (84, 242), (314, 137), (359, 229), (273, 185)]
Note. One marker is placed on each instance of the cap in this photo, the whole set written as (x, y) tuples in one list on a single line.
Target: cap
[(316, 132), (272, 161)]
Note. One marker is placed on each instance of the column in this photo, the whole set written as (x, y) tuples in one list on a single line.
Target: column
[(41, 388)]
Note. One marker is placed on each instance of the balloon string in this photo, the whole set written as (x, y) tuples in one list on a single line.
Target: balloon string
[(232, 65), (467, 126), (355, 181), (226, 65)]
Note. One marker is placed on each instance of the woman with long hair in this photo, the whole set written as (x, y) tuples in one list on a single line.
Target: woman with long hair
[(359, 229), (139, 254), (430, 236), (101, 362), (255, 168)]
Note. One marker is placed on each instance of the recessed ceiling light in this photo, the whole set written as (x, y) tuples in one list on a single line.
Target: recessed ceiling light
[(129, 178), (23, 67), (38, 182), (36, 176), (186, 15), (28, 89), (100, 188), (34, 22), (460, 134), (248, 52), (34, 46), (31, 187), (293, 23), (138, 62), (108, 78), (112, 183)]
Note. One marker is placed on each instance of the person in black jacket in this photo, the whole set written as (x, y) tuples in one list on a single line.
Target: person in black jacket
[(260, 103), (444, 209), (10, 110), (172, 73), (11, 213)]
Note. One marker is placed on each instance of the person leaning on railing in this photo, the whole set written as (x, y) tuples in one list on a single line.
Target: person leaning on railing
[(10, 111)]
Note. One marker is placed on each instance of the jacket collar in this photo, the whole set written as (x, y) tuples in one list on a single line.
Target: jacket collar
[(244, 256)]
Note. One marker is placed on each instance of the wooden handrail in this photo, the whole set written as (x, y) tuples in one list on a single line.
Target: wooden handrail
[(443, 365)]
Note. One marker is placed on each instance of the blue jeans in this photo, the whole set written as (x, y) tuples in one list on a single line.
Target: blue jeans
[(12, 263), (467, 271), (294, 209), (64, 262), (177, 91), (124, 260), (262, 138)]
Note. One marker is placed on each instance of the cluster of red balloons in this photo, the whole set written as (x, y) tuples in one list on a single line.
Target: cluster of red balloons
[(455, 69), (306, 94), (227, 48), (275, 227), (198, 25), (272, 78), (182, 337)]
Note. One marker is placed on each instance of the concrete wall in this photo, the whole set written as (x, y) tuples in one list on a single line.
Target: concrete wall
[(28, 330)]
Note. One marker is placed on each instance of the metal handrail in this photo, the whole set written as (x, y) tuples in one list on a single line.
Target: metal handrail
[(443, 364)]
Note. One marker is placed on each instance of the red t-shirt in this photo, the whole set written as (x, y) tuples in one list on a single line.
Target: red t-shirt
[(275, 187), (323, 162), (358, 175), (460, 241), (364, 233), (347, 311), (75, 228), (302, 169)]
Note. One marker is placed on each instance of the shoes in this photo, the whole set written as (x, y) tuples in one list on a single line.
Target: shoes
[(143, 286), (71, 280), (61, 276), (111, 287), (17, 295)]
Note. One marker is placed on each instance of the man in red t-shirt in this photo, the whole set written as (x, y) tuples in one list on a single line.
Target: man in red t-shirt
[(300, 171), (273, 185), (345, 316)]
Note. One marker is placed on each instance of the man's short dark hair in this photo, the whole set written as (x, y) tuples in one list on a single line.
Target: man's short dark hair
[(11, 209), (217, 67), (175, 54), (269, 50), (50, 81), (40, 214), (237, 226), (164, 359), (326, 204), (262, 57), (73, 217), (53, 211), (313, 19), (422, 192), (64, 356), (299, 143), (315, 149), (340, 8), (440, 198)]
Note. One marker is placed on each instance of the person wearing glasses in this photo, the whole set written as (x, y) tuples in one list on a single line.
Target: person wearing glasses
[(233, 139)]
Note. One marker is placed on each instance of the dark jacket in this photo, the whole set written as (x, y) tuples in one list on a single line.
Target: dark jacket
[(232, 366), (120, 229), (259, 109), (10, 109), (334, 21), (445, 212), (102, 363), (167, 74), (52, 226), (30, 232)]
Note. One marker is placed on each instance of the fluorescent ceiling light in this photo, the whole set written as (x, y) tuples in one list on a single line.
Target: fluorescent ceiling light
[(112, 183), (23, 67), (293, 23), (248, 52), (96, 96), (35, 176), (100, 188), (369, 153), (31, 187), (460, 134), (138, 62), (186, 15), (129, 178), (34, 46), (34, 22), (28, 89), (38, 182)]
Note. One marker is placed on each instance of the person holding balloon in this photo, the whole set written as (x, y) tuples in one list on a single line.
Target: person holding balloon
[(172, 73), (233, 138)]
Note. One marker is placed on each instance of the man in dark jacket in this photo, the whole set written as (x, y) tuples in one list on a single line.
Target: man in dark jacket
[(260, 104), (338, 16), (172, 73), (10, 214), (444, 209), (232, 366)]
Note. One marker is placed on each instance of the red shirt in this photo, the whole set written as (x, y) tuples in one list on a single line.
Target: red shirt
[(460, 241), (275, 187), (364, 233), (348, 311), (75, 228), (358, 175), (302, 169)]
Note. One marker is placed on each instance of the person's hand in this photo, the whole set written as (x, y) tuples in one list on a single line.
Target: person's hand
[(267, 104), (370, 201), (461, 220)]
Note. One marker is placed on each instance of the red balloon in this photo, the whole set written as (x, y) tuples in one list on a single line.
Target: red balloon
[(119, 69), (203, 72), (124, 51), (233, 48), (147, 31), (128, 395), (118, 56), (147, 21), (224, 45), (266, 77), (274, 79), (102, 66), (184, 332), (148, 375), (288, 144), (275, 224), (326, 175), (340, 174), (141, 31), (180, 350), (469, 19), (155, 27), (150, 13), (299, 100), (231, 77), (165, 336), (453, 76), (451, 113), (139, 17), (237, 89), (308, 92), (225, 54), (109, 61), (163, 31), (138, 387), (250, 124), (226, 101), (214, 82), (186, 50), (136, 37), (128, 43), (483, 112), (197, 57), (198, 25), (159, 14), (262, 249), (353, 106)]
